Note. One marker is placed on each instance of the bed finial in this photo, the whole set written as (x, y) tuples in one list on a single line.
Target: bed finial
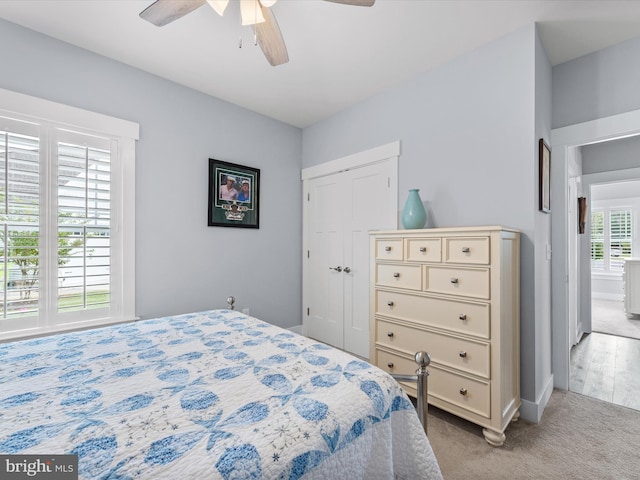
[(230, 302)]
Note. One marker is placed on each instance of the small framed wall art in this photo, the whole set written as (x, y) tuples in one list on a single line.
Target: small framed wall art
[(234, 195), (544, 169)]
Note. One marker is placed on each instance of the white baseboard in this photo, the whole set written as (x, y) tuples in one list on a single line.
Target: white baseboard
[(532, 411)]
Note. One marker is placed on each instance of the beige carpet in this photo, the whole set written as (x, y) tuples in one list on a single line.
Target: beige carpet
[(578, 438)]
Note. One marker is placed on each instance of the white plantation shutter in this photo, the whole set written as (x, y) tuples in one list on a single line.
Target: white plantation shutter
[(84, 225), (67, 240), (597, 240), (620, 238), (611, 238), (19, 217)]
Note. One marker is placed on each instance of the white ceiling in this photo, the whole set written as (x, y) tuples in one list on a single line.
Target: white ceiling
[(339, 55)]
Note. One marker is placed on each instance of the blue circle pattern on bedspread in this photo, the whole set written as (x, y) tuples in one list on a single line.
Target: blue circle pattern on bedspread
[(188, 396)]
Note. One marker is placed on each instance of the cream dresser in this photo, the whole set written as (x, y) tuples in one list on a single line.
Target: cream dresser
[(455, 293)]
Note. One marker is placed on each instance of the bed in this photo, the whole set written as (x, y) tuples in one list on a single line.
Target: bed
[(214, 394)]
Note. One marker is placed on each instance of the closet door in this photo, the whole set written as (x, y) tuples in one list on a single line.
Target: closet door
[(325, 280), (372, 207), (342, 209)]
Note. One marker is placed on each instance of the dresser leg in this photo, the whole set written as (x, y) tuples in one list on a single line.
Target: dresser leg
[(516, 416), (493, 438)]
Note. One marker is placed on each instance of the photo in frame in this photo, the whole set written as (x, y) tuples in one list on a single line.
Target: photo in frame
[(234, 195), (545, 176)]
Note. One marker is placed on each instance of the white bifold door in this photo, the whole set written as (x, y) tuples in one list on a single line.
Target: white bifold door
[(342, 208)]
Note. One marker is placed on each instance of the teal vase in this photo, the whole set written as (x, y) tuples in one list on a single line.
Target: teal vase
[(413, 214)]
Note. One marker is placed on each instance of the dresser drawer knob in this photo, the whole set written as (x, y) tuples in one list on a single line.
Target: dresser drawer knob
[(463, 354), (462, 316), (396, 275), (390, 334), (423, 249), (390, 365), (466, 249), (390, 303), (463, 391), (387, 249), (454, 280)]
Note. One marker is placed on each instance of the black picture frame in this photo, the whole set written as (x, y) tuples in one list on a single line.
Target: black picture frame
[(544, 176), (231, 204)]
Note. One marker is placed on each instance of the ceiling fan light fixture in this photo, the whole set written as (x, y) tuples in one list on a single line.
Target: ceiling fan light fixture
[(251, 12), (219, 5)]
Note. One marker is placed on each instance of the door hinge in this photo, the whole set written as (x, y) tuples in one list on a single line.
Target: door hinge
[(308, 197), (308, 254), (307, 311)]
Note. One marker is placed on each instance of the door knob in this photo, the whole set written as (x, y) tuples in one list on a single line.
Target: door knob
[(337, 269)]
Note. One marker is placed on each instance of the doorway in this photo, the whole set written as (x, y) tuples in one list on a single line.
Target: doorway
[(565, 142), (602, 364)]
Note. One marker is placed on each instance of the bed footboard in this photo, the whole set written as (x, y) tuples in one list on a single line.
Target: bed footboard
[(422, 359)]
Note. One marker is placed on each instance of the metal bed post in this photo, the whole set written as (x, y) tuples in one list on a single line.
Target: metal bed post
[(422, 359)]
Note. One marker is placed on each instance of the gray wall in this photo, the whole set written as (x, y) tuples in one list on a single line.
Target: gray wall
[(468, 133), (597, 85), (614, 155), (181, 264)]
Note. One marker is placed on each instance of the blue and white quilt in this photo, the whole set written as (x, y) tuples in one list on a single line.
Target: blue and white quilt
[(207, 395)]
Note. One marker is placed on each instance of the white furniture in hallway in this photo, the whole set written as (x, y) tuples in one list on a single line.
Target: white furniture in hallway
[(632, 286)]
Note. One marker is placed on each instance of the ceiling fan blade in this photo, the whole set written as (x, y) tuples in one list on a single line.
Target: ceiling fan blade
[(357, 3), (270, 39), (162, 12)]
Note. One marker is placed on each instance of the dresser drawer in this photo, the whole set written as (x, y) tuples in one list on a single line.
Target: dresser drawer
[(473, 250), (468, 282), (468, 318), (466, 355), (389, 249), (470, 394), (400, 276), (460, 390), (423, 250)]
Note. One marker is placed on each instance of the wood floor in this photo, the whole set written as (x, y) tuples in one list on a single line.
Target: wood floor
[(607, 367)]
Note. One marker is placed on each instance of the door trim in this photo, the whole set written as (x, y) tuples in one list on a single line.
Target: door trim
[(388, 152), (355, 160), (564, 141)]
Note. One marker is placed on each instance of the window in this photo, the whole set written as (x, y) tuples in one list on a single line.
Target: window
[(66, 233), (611, 238), (620, 238), (597, 240)]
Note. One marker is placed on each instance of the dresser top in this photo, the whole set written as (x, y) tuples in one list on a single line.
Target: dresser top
[(481, 228)]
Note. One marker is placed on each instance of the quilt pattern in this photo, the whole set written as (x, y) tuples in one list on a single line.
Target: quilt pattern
[(213, 394)]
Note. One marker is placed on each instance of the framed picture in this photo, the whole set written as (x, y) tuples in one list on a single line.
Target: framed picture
[(234, 198), (545, 176)]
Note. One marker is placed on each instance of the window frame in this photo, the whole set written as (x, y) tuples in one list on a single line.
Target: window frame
[(605, 208), (50, 118)]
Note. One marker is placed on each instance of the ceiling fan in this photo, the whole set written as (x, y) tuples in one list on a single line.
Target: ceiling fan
[(253, 12)]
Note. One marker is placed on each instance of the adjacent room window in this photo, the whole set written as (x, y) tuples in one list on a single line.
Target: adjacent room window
[(597, 241), (66, 226), (611, 238)]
